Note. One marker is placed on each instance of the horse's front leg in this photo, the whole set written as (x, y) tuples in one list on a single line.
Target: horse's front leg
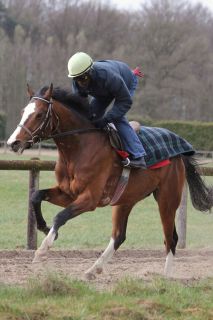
[(120, 216), (82, 204), (52, 195)]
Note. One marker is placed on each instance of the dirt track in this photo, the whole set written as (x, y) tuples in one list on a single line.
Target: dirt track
[(190, 265)]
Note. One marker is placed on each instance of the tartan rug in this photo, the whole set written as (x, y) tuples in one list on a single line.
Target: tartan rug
[(161, 144)]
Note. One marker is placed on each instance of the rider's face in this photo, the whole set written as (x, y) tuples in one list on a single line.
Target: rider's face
[(83, 81)]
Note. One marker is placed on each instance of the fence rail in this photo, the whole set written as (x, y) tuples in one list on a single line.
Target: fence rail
[(41, 146), (44, 165), (35, 165)]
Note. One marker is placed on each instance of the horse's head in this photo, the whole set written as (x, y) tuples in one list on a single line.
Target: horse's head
[(35, 123)]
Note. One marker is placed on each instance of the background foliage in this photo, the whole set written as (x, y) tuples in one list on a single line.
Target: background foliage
[(198, 133), (171, 40)]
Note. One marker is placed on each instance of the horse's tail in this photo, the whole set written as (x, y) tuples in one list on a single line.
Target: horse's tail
[(201, 194)]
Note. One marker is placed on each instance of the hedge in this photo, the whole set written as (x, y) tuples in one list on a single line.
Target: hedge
[(199, 134)]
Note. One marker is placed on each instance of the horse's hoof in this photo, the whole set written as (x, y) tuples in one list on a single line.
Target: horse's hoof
[(38, 260), (90, 276), (39, 257)]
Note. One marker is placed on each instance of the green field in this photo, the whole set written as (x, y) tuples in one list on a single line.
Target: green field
[(92, 229)]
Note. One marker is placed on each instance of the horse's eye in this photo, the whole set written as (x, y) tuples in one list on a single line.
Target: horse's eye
[(39, 115)]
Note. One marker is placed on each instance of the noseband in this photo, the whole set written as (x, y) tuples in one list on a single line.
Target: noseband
[(39, 133)]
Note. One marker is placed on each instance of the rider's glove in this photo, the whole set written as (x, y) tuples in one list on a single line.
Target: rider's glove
[(100, 123)]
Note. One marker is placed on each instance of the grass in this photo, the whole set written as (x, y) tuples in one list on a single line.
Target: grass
[(59, 297), (92, 229)]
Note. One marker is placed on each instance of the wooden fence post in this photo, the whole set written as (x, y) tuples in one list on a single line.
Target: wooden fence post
[(182, 218), (5, 147), (32, 226)]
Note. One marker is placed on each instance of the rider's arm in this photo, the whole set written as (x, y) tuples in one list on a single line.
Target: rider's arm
[(123, 101), (98, 107)]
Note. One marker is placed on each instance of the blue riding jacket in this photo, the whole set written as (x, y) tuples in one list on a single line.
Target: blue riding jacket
[(113, 81), (110, 80)]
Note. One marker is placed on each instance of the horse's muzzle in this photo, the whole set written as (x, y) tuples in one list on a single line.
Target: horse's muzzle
[(19, 146)]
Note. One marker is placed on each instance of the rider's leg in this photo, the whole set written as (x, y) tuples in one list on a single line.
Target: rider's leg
[(131, 142)]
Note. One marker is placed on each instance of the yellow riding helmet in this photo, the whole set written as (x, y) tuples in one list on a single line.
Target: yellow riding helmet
[(78, 64)]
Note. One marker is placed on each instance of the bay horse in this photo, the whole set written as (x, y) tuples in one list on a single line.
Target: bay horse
[(88, 170)]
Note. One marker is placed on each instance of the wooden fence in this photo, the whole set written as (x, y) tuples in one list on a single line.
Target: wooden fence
[(35, 165)]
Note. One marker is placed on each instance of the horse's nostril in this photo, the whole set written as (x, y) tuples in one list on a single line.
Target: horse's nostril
[(15, 145)]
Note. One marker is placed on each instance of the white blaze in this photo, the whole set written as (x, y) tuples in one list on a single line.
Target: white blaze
[(29, 109)]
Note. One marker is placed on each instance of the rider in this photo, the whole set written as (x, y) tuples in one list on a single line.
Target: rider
[(108, 81)]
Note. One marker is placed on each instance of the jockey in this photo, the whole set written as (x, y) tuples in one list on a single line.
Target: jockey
[(108, 81)]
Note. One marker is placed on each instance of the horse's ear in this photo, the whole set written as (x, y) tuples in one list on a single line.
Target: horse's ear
[(30, 91), (48, 93)]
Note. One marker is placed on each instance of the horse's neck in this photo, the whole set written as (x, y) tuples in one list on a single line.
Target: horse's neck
[(74, 145), (69, 119)]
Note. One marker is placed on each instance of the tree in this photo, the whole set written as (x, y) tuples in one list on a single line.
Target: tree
[(176, 53), (171, 40), (7, 23)]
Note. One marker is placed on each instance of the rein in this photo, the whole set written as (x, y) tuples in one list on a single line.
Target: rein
[(76, 131)]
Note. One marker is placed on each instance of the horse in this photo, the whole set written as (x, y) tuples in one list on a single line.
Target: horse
[(88, 170)]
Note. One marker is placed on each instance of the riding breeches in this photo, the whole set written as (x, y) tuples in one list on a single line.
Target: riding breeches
[(129, 138)]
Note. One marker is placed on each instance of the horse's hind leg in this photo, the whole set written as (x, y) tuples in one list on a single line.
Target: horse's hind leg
[(168, 197), (167, 213), (120, 216)]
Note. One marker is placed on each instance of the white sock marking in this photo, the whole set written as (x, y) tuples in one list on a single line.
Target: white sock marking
[(169, 264), (104, 258), (40, 253), (48, 241)]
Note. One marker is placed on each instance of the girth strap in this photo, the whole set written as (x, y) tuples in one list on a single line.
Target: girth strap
[(121, 186)]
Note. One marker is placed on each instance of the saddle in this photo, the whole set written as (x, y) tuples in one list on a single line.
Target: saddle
[(115, 140), (116, 143)]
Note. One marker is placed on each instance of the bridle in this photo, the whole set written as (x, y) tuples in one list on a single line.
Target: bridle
[(39, 133)]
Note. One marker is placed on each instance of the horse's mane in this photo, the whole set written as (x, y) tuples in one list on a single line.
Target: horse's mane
[(68, 99)]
